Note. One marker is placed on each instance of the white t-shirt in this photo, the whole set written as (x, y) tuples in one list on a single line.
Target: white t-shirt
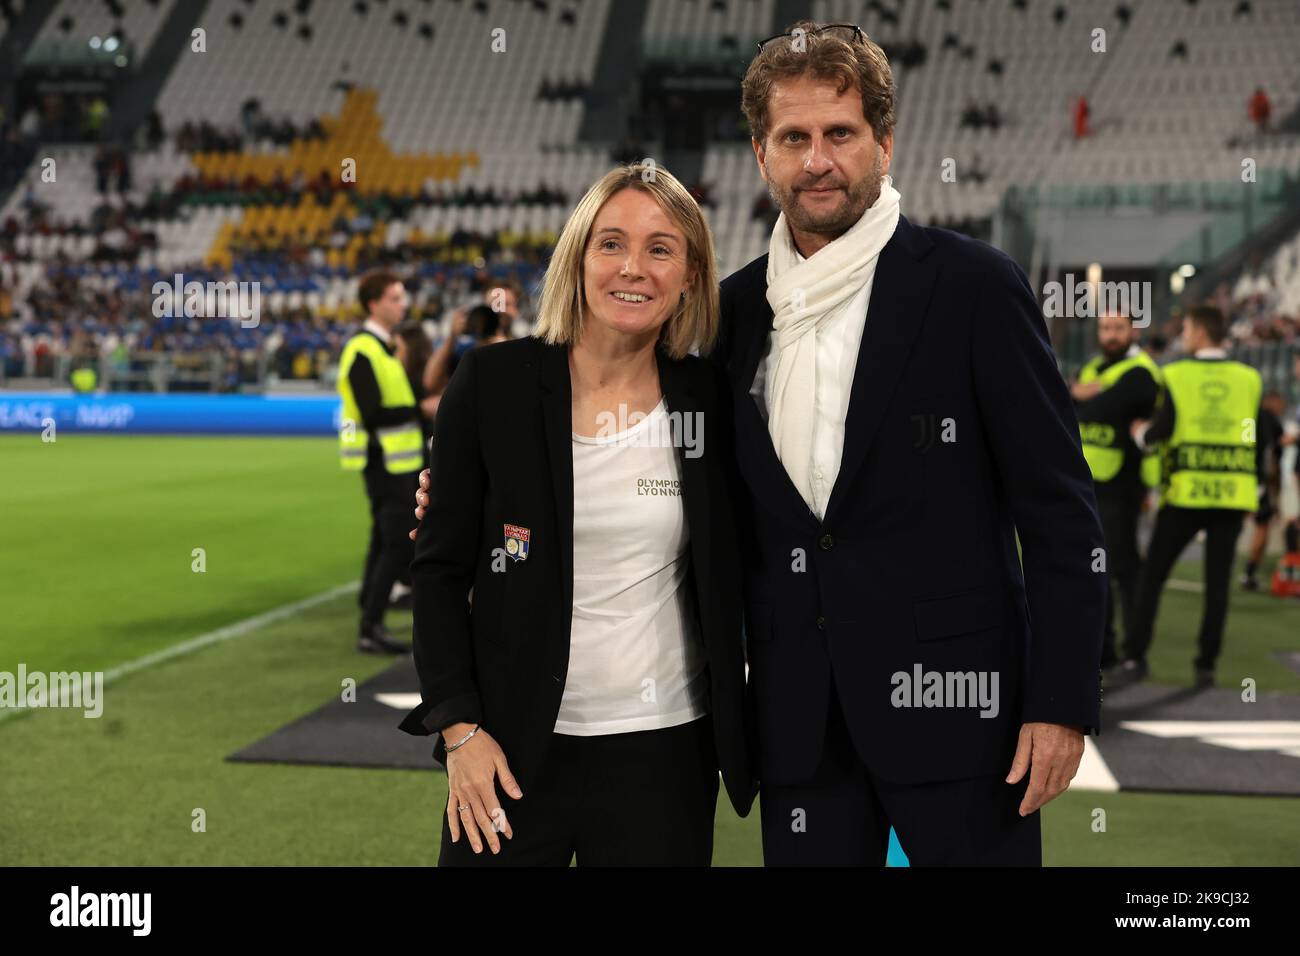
[(635, 657)]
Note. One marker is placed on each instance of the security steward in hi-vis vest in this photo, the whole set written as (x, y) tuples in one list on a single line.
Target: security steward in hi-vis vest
[(379, 436), (1211, 477), (1117, 387)]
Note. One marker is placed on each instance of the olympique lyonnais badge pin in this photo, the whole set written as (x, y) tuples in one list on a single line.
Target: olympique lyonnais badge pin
[(517, 542)]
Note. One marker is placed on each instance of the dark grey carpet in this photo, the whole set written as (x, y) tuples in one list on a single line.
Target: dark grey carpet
[(359, 734)]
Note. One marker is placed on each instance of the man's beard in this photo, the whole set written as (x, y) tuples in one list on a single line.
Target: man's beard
[(1113, 350), (858, 198)]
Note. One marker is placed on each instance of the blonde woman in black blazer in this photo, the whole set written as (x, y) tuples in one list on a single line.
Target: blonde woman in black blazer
[(576, 582)]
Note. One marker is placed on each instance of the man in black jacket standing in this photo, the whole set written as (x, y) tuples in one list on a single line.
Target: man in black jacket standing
[(379, 435), (1116, 388), (900, 424)]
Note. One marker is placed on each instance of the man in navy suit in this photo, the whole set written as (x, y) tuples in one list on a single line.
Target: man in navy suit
[(924, 566)]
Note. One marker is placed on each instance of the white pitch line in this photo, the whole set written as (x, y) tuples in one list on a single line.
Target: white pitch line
[(238, 629), (399, 701), (1093, 773)]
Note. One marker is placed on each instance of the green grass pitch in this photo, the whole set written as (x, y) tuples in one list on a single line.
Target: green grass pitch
[(99, 536)]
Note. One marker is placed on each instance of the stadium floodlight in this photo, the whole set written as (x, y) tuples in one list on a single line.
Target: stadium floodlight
[(95, 43), (110, 44), (1187, 270), (1177, 282)]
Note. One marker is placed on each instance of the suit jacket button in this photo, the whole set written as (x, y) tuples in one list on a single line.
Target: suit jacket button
[(827, 542), (821, 623)]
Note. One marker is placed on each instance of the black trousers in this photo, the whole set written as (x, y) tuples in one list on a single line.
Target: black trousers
[(842, 816), (1175, 528), (645, 798), (392, 516), (1119, 510)]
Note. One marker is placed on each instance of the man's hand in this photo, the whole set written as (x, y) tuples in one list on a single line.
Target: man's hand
[(421, 501), (1082, 391), (1137, 427), (1054, 751)]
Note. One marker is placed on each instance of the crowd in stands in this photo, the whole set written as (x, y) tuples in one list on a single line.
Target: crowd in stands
[(118, 230), (977, 115), (1253, 307), (101, 308), (206, 138), (112, 165), (18, 142), (75, 319), (281, 190), (1255, 315)]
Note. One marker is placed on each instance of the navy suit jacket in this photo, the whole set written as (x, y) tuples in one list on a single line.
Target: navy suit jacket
[(960, 439)]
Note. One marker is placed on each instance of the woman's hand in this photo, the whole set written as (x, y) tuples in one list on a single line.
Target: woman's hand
[(471, 770), (421, 502)]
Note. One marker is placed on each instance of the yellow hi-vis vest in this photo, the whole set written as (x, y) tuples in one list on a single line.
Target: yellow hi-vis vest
[(402, 445), (83, 379), (1210, 458), (1102, 447)]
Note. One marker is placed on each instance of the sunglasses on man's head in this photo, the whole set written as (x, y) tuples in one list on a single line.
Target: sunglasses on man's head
[(849, 32)]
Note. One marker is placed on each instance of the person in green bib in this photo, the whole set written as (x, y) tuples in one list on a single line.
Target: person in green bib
[(1117, 387), (1211, 482), (84, 379), (380, 436)]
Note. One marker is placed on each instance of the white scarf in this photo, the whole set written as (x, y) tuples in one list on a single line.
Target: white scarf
[(803, 295)]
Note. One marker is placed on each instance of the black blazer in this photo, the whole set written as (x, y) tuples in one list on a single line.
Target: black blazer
[(503, 455), (960, 437)]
